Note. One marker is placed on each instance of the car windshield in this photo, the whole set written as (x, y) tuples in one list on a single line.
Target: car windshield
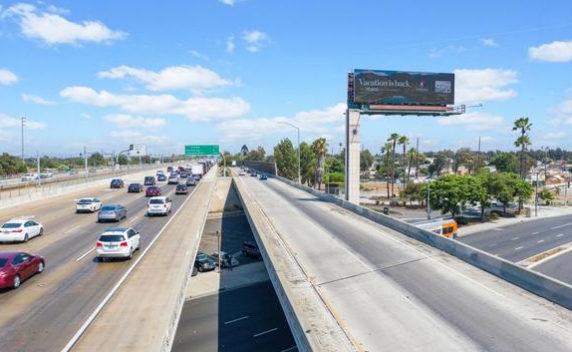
[(152, 188), (85, 201), (202, 257), (108, 208), (11, 225), (111, 238), (156, 201)]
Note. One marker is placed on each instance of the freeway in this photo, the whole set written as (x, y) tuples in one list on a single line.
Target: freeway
[(47, 310), (557, 266), (389, 292), (523, 240)]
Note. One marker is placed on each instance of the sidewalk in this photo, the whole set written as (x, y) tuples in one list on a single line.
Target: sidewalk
[(543, 212), (210, 282)]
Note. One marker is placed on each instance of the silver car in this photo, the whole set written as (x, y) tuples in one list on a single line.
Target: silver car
[(112, 212)]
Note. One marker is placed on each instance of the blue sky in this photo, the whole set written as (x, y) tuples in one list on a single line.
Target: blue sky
[(106, 74)]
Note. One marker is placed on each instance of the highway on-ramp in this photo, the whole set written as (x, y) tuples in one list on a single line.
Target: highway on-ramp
[(391, 293)]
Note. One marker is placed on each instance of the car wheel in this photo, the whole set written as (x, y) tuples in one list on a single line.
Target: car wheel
[(41, 267), (17, 281), (244, 254), (200, 269), (26, 238), (41, 231), (130, 256)]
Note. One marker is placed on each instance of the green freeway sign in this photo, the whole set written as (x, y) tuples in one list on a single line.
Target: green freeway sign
[(201, 150)]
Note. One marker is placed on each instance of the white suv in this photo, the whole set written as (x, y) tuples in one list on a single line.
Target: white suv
[(159, 206), (118, 242)]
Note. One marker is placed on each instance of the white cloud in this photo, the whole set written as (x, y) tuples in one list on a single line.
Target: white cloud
[(231, 2), (196, 108), (436, 53), (556, 135), (489, 42), (7, 77), (128, 121), (230, 44), (138, 138), (8, 121), (475, 121), (553, 52), (195, 78), (85, 116), (51, 28), (195, 53), (315, 122), (36, 99), (255, 40), (562, 111), (479, 86)]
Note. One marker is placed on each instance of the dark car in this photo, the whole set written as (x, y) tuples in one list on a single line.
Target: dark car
[(263, 177), (225, 259), (153, 191), (112, 212), (161, 178), (135, 188), (16, 267), (250, 249), (184, 174), (253, 173), (150, 181), (203, 262), (181, 189), (191, 181), (117, 183)]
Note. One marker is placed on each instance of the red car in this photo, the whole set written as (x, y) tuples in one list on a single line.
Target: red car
[(153, 191), (16, 267)]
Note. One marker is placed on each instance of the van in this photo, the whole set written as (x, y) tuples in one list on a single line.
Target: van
[(150, 181), (443, 227)]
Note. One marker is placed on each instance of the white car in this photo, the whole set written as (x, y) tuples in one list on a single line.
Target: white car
[(29, 177), (20, 229), (118, 242), (87, 205), (159, 206)]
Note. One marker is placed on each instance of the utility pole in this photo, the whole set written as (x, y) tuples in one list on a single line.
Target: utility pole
[(38, 167), (478, 155), (417, 159), (428, 200), (23, 124)]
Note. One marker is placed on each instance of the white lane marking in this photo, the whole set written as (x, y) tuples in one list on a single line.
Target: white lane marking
[(535, 233), (540, 241), (290, 349), (516, 238), (492, 245), (264, 332), (86, 253), (560, 226), (237, 319), (73, 228), (135, 218), (498, 229), (518, 248), (560, 235)]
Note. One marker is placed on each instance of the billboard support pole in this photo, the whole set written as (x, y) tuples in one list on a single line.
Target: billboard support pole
[(353, 145)]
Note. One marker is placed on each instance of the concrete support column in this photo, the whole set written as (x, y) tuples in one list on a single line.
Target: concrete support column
[(353, 147)]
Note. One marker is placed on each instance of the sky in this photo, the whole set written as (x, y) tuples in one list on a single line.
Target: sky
[(101, 75)]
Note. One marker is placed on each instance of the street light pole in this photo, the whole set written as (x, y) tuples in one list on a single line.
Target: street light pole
[(428, 200), (23, 124), (536, 195), (299, 162)]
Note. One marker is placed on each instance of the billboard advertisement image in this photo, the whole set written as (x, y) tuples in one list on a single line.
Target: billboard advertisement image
[(403, 88)]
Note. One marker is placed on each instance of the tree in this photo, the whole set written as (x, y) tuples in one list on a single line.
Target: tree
[(404, 141), (319, 148), (257, 154), (414, 192), (308, 163), (438, 164), (393, 138), (505, 162), (386, 150), (449, 193), (286, 158), (522, 125), (366, 160)]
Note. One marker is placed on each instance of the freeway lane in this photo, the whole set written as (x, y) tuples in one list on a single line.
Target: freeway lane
[(48, 309), (390, 292), (557, 267), (524, 240)]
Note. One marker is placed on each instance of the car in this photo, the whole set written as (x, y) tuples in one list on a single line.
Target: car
[(169, 169), (87, 205), (173, 179), (250, 249), (29, 177), (153, 191), (184, 174), (159, 206), (117, 242), (150, 181), (135, 187), (181, 189), (17, 267), (253, 173), (160, 172), (112, 212), (263, 177), (224, 259), (191, 181), (203, 262), (161, 178), (117, 183), (242, 173), (20, 229)]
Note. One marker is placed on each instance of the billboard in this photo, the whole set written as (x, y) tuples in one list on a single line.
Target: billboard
[(403, 88), (138, 150)]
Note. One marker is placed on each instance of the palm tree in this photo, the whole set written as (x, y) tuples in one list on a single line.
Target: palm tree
[(386, 149), (404, 141), (393, 138), (523, 125), (319, 147)]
